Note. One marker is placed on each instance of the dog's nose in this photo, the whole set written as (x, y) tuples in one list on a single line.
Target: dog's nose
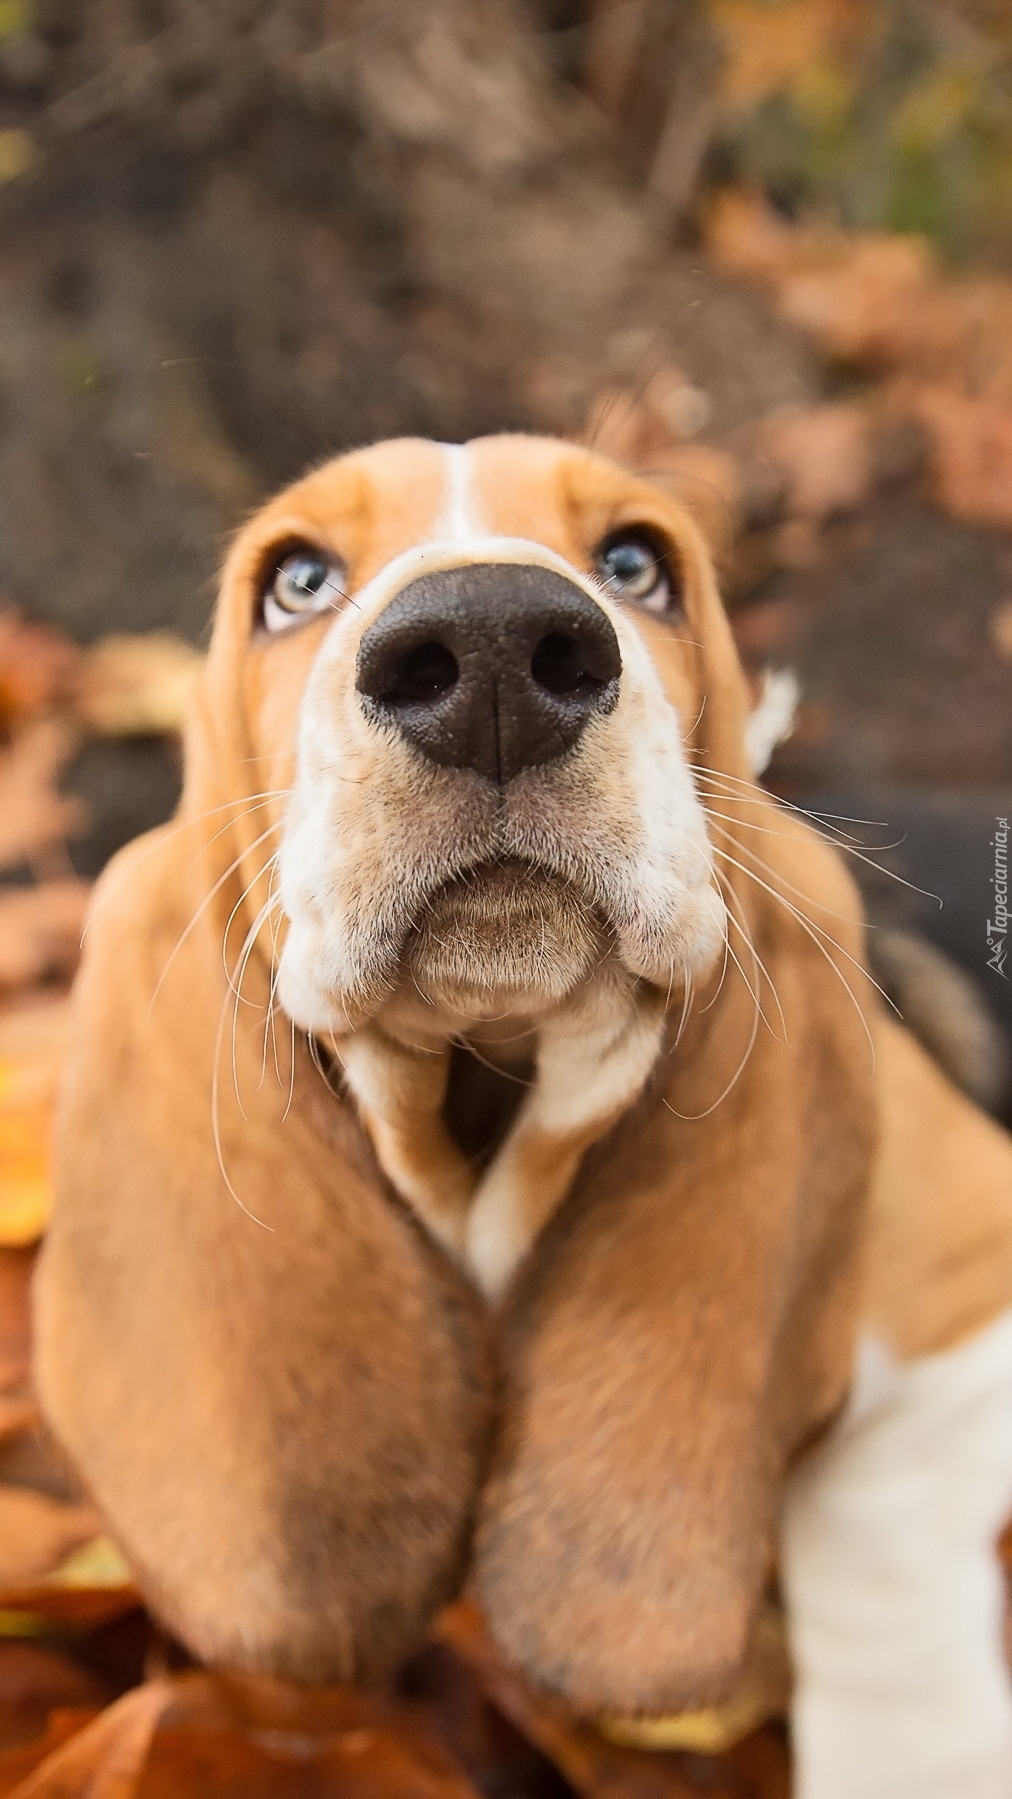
[(492, 666)]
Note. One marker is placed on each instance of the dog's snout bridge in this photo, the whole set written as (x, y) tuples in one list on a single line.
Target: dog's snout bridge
[(495, 667)]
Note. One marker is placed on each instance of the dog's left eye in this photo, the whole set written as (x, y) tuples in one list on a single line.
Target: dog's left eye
[(632, 570), (304, 583)]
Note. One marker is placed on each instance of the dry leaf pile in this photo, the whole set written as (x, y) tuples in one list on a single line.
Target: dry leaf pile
[(879, 303), (54, 697)]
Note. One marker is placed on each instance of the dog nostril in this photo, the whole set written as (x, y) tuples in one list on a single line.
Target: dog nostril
[(559, 665), (421, 676)]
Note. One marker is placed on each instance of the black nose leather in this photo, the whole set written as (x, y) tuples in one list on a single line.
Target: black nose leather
[(494, 666)]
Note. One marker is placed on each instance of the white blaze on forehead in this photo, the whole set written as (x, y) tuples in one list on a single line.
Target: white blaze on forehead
[(458, 522), (459, 536)]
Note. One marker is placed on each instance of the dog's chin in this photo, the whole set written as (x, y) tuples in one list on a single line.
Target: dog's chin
[(506, 935)]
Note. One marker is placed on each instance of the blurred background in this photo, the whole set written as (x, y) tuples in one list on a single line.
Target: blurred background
[(759, 249)]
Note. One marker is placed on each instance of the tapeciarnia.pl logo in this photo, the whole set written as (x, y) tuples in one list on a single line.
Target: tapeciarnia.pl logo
[(997, 927)]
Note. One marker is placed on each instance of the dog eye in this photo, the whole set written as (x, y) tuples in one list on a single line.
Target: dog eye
[(304, 583), (632, 570)]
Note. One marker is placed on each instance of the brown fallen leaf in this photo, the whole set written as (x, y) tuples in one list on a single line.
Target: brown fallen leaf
[(209, 1764), (137, 685), (32, 1043), (855, 292), (860, 302), (748, 239), (284, 1714), (38, 667), (40, 931), (244, 1735), (769, 48), (37, 1611), (33, 815), (971, 452), (16, 1265), (598, 1769), (823, 456), (875, 299), (86, 1588), (35, 1681), (37, 1533), (17, 1764), (103, 1760), (221, 1736), (360, 1763)]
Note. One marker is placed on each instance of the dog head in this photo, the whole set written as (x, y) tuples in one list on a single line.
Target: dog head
[(486, 674)]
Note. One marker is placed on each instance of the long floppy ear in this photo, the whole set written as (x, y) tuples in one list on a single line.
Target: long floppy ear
[(274, 1387), (687, 1322)]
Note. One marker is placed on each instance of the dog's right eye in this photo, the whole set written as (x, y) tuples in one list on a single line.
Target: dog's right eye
[(632, 567), (306, 582)]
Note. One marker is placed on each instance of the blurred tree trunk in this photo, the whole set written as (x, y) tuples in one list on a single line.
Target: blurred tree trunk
[(249, 234), (651, 67)]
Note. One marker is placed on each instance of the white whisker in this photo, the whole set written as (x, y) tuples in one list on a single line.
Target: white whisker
[(816, 933), (758, 962), (236, 987), (695, 1117), (291, 1083), (205, 902), (216, 1123), (254, 803)]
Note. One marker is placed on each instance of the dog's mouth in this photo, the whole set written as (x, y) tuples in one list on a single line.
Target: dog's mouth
[(506, 933)]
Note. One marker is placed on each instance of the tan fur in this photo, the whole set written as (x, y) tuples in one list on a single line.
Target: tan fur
[(288, 1425), (939, 1255), (401, 1089), (688, 1324), (255, 1405)]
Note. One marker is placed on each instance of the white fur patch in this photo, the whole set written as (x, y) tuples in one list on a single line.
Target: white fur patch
[(593, 1059), (773, 719), (895, 1596)]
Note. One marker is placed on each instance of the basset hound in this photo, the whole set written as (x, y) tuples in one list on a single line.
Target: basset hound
[(483, 1157)]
